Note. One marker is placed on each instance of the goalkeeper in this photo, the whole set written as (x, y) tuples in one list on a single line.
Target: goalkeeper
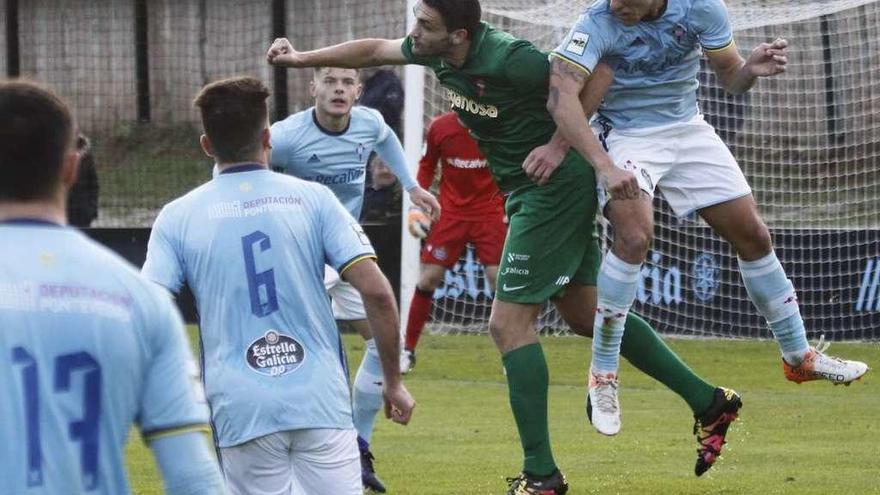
[(471, 211), (498, 86)]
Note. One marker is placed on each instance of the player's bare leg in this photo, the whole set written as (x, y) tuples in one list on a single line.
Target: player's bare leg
[(511, 326), (367, 402), (712, 406), (768, 287)]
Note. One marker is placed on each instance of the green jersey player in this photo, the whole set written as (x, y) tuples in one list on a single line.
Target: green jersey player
[(498, 85)]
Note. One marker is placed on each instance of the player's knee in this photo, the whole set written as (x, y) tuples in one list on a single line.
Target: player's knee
[(754, 241), (633, 242)]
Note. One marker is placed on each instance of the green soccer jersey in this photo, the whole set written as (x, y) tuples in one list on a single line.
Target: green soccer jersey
[(500, 93)]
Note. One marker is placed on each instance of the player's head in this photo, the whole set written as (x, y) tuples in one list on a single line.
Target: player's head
[(442, 25), (38, 156), (235, 119), (335, 90), (631, 12)]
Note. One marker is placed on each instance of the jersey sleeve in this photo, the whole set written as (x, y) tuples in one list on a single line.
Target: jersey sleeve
[(712, 24), (282, 146), (164, 264), (527, 67), (172, 401), (589, 41), (428, 162), (344, 240)]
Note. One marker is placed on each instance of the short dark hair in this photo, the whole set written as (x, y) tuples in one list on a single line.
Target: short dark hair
[(234, 115), (36, 132), (458, 14), (319, 68)]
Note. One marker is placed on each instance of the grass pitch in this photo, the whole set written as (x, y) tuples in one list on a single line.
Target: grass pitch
[(813, 438)]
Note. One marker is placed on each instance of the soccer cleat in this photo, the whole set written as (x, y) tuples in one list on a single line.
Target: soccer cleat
[(525, 484), (711, 427), (407, 361), (819, 366), (603, 407), (368, 474)]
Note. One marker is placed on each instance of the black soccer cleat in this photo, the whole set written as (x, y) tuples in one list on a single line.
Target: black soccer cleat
[(368, 474), (525, 484), (711, 427)]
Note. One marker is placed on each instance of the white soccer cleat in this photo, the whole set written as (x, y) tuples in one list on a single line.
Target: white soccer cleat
[(407, 361), (819, 366), (603, 407)]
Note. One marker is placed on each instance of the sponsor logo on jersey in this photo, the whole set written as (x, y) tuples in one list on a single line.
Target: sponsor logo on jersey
[(470, 106), (869, 295), (464, 163), (705, 277), (578, 43), (350, 175), (313, 159), (275, 354), (514, 257), (512, 270), (512, 289)]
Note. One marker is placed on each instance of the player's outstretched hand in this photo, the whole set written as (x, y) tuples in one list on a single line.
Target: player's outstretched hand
[(399, 404), (542, 162), (426, 202), (768, 59), (620, 184), (281, 53)]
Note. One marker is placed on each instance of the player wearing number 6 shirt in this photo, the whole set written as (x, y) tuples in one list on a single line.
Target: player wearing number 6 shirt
[(87, 345), (330, 143), (252, 245), (472, 210)]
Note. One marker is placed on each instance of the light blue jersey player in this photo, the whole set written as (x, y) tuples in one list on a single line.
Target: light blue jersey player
[(655, 137), (331, 143), (88, 346), (252, 245)]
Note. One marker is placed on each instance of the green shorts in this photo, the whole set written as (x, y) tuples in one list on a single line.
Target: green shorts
[(552, 238)]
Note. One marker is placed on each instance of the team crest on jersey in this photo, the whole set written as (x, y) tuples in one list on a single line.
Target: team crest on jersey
[(678, 32), (275, 354), (361, 149), (578, 43)]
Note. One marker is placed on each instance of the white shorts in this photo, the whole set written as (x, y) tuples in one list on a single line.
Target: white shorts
[(688, 162), (300, 462), (346, 300)]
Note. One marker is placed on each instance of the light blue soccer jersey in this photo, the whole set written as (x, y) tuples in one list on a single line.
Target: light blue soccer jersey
[(655, 63), (252, 245), (87, 347), (304, 149)]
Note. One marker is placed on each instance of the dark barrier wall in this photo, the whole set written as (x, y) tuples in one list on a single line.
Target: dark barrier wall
[(131, 244)]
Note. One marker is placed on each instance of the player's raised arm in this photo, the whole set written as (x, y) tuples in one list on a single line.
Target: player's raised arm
[(381, 310), (368, 52), (564, 103), (738, 75)]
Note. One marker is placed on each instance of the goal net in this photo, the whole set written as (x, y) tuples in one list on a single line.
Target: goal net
[(808, 142)]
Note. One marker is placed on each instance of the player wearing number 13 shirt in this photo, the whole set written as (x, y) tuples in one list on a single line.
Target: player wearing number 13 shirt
[(252, 245)]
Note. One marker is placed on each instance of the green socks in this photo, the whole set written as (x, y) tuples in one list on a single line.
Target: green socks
[(527, 382), (645, 350)]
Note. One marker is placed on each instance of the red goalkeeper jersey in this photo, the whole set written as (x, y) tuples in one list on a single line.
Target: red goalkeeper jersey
[(467, 189)]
